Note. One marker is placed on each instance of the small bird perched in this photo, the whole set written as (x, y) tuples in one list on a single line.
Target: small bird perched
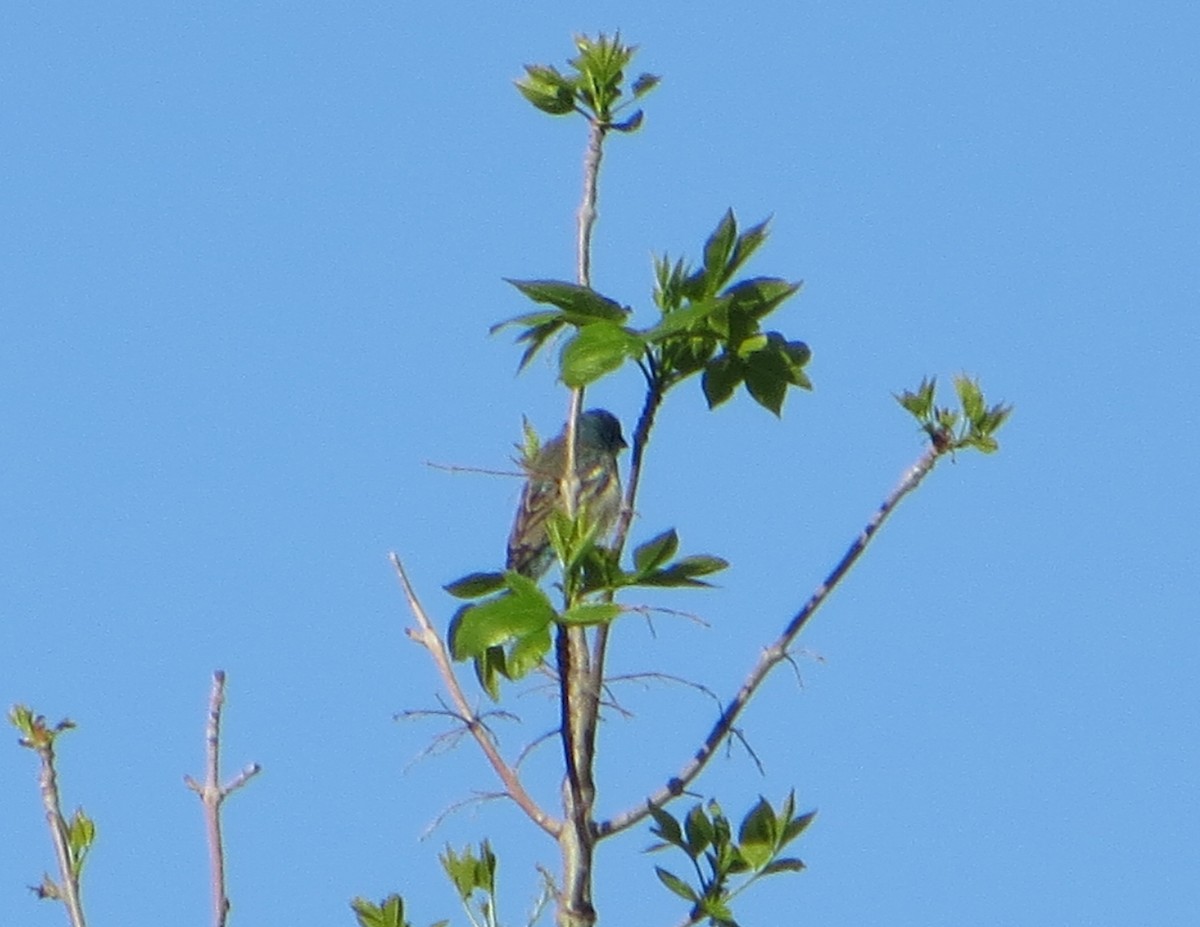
[(598, 441)]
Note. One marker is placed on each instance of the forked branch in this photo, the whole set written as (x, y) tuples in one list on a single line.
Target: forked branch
[(427, 636), (776, 653), (212, 795)]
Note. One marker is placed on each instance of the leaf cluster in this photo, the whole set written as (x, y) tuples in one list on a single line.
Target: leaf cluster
[(508, 634), (387, 913), (593, 86), (972, 425), (711, 325), (706, 837), (36, 732), (473, 874), (79, 830), (706, 325)]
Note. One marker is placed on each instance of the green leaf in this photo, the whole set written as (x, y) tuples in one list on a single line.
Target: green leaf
[(655, 552), (81, 833), (388, 913), (683, 572), (582, 304), (533, 319), (503, 618), (721, 377), (632, 124), (597, 349), (768, 376), (700, 565), (644, 84), (676, 884), (666, 827), (758, 297), (718, 912), (717, 251), (796, 355), (470, 873), (699, 831), (590, 613), (475, 585), (685, 355), (919, 403), (785, 864), (747, 243), (689, 318), (971, 398), (756, 836), (489, 667), (527, 653), (795, 827), (537, 337), (553, 103), (547, 89)]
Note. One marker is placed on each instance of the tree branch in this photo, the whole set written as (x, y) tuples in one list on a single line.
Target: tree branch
[(776, 653), (578, 688), (212, 794), (68, 872), (586, 216), (425, 635)]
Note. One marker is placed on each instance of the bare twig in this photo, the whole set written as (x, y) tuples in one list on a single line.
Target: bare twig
[(641, 437), (665, 677), (459, 468), (212, 794), (478, 798), (587, 207), (528, 749), (774, 654), (425, 635), (446, 740)]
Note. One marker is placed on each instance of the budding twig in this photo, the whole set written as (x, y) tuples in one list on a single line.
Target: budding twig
[(212, 794)]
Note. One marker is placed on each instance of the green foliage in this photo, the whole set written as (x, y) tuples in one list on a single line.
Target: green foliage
[(507, 635), (36, 734), (473, 874), (388, 913), (973, 425), (594, 85), (706, 324), (81, 835), (79, 831), (706, 837)]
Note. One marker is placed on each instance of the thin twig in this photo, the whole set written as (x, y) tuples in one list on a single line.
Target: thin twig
[(641, 436), (459, 468), (69, 876), (213, 794), (774, 654), (425, 635), (446, 740), (533, 745), (477, 799), (587, 207)]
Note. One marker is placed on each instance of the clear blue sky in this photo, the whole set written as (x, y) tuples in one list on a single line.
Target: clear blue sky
[(250, 253)]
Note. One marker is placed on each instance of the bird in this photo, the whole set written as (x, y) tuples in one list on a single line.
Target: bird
[(598, 441)]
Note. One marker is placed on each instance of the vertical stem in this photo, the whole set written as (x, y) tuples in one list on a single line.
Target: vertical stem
[(587, 207), (212, 797), (48, 784), (580, 696), (641, 436)]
